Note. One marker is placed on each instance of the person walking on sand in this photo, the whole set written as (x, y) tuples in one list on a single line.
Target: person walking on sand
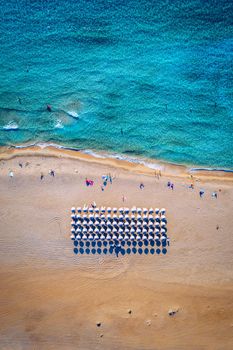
[(172, 187), (201, 193), (41, 176), (123, 198), (11, 174), (141, 186)]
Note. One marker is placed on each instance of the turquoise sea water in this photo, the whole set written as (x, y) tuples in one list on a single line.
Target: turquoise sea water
[(140, 78)]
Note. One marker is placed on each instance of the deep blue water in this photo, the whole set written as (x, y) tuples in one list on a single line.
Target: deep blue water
[(146, 78)]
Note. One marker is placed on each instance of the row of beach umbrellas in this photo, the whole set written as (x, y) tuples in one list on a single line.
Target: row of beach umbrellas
[(110, 210)]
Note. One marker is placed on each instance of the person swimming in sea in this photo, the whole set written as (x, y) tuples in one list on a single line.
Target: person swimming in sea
[(49, 108)]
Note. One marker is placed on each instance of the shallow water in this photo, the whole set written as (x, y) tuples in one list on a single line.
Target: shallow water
[(144, 79)]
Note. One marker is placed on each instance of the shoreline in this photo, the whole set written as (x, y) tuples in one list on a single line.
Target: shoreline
[(135, 165)]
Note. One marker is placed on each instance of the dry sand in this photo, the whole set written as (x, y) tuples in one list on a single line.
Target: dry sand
[(53, 299)]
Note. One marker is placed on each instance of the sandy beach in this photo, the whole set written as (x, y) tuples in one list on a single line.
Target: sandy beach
[(52, 298)]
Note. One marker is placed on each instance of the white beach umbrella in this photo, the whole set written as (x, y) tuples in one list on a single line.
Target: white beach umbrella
[(139, 210), (138, 238), (102, 237), (91, 210), (121, 217), (109, 216), (132, 230), (120, 237), (151, 237), (157, 211), (150, 217), (133, 216), (73, 210), (91, 237), (102, 209), (114, 210), (126, 230), (163, 217), (109, 230), (126, 237), (145, 210), (78, 236), (72, 236), (97, 210), (163, 224), (102, 230), (109, 209), (85, 209), (144, 231), (138, 230), (132, 237), (157, 231), (163, 231), (126, 210), (96, 237), (90, 230), (85, 237), (114, 236), (108, 237), (79, 210), (97, 215), (120, 230), (162, 211), (73, 223), (115, 216), (73, 230), (121, 210), (144, 237), (151, 211), (163, 238)]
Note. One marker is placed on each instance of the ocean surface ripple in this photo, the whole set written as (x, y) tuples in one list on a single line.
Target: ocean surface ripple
[(140, 78)]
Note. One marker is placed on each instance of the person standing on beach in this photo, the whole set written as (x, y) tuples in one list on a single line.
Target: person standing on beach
[(201, 193)]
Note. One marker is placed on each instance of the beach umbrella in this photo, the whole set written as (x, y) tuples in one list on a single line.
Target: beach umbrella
[(85, 237), (90, 230), (138, 230), (102, 209), (109, 209), (144, 231), (151, 224), (145, 225), (96, 230), (114, 210), (91, 210), (126, 237), (144, 237), (163, 238), (79, 210), (121, 210), (73, 224), (97, 210), (151, 237), (163, 224), (145, 210), (131, 237), (139, 217), (162, 211), (151, 211), (157, 218), (120, 230), (109, 217), (102, 230), (133, 217), (150, 217), (126, 210), (157, 211), (73, 230), (126, 216), (121, 217), (126, 224), (115, 225), (72, 237), (133, 210), (73, 210), (73, 216), (84, 230), (132, 229), (126, 230), (91, 237), (115, 216), (163, 231), (108, 237), (85, 209), (78, 237), (102, 237), (108, 230), (156, 238), (163, 218), (97, 215), (138, 237), (139, 210), (120, 237), (121, 224), (96, 237)]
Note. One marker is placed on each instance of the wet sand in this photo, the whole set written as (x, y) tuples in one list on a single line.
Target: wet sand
[(53, 299)]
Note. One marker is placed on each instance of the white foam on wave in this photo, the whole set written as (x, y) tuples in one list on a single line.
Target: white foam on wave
[(59, 124), (11, 126), (73, 114)]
